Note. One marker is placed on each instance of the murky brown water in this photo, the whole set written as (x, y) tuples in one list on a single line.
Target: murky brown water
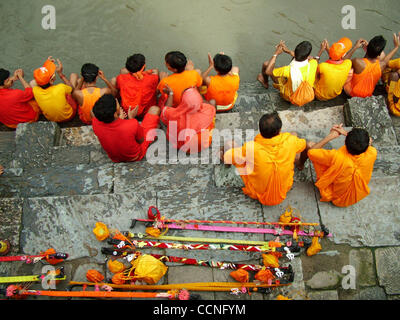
[(105, 32)]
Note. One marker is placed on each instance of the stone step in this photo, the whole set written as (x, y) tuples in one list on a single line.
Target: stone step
[(371, 114), (7, 148), (373, 221), (65, 177), (293, 120), (47, 222), (56, 181), (252, 96)]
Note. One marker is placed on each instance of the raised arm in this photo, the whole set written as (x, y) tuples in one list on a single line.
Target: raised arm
[(335, 132), (323, 47), (361, 43), (389, 56), (204, 75), (271, 64), (113, 90), (59, 71), (19, 74)]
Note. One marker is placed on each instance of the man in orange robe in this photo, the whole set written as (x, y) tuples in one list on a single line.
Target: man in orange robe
[(266, 165), (367, 71), (221, 89), (184, 76), (343, 175)]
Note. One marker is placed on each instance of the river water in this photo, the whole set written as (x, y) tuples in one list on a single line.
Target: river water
[(105, 32)]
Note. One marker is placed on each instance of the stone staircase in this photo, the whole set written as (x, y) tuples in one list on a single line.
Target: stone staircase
[(58, 183)]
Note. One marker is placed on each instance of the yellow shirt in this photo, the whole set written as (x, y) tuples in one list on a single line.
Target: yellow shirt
[(285, 83), (53, 103), (332, 78), (394, 64), (394, 91)]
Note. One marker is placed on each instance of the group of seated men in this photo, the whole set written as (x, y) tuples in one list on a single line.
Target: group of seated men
[(126, 111)]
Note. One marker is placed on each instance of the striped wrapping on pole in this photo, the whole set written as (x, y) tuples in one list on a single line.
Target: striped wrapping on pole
[(208, 263), (195, 286), (131, 235), (299, 224), (238, 247)]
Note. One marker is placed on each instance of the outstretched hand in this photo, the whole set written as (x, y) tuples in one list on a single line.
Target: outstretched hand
[(19, 73), (338, 130), (280, 48), (396, 40), (59, 68), (210, 61), (132, 112), (122, 114), (101, 75)]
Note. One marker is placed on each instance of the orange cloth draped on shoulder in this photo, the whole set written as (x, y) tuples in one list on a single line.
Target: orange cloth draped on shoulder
[(178, 82), (190, 124), (363, 84), (138, 89), (89, 100), (267, 166), (223, 89), (343, 178)]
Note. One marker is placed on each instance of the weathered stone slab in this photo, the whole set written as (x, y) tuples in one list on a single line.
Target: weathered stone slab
[(371, 113), (372, 222), (10, 217), (10, 182), (98, 156), (363, 262), (227, 176), (372, 293), (58, 181), (387, 161), (7, 148), (34, 142), (324, 280), (292, 120), (300, 120), (251, 98), (69, 155), (323, 295), (388, 269), (144, 176), (79, 136), (67, 223)]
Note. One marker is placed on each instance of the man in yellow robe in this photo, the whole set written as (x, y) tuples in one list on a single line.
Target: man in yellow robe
[(343, 175), (266, 165)]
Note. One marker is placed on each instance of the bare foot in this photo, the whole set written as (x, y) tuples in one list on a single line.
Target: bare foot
[(260, 78)]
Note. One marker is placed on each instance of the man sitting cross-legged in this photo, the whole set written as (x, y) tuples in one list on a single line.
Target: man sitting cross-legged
[(343, 175), (124, 140), (266, 165)]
